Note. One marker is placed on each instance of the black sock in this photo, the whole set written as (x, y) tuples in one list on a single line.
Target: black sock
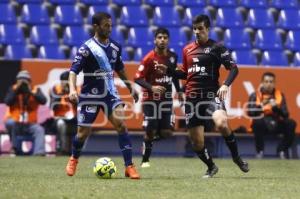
[(204, 155), (232, 145), (147, 150)]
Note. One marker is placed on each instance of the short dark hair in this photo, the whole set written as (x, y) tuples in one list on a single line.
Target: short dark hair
[(99, 16), (202, 18), (162, 31), (64, 76), (269, 74)]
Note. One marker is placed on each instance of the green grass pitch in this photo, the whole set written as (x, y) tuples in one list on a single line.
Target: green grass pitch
[(41, 177)]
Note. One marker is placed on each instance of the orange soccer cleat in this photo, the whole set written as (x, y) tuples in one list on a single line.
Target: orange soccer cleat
[(131, 172), (71, 166)]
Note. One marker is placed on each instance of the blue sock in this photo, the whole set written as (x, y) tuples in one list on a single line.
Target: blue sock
[(126, 148), (76, 147)]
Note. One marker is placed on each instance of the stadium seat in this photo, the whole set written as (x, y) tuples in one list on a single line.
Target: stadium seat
[(34, 14), (30, 1), (118, 35), (260, 18), (159, 2), (280, 4), (297, 59), (178, 37), (68, 15), (141, 52), (11, 34), (95, 2), (73, 52), (51, 52), (127, 2), (17, 51), (75, 35), (60, 2), (223, 3), (140, 36), (101, 8), (125, 55), (245, 57), (189, 3), (43, 35), (274, 58), (293, 40), (192, 12), (133, 16), (229, 18), (166, 16), (237, 39), (254, 4), (268, 39), (289, 19), (8, 14)]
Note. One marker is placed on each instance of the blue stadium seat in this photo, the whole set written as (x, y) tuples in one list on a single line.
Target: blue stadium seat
[(11, 34), (254, 3), (95, 2), (274, 58), (297, 59), (68, 15), (260, 18), (43, 35), (17, 51), (280, 4), (237, 39), (159, 2), (101, 8), (75, 35), (189, 3), (229, 17), (34, 14), (191, 12), (125, 55), (127, 2), (141, 52), (293, 40), (140, 36), (51, 52), (268, 39), (73, 52), (118, 35), (289, 19), (8, 14), (60, 2), (178, 37), (166, 16), (133, 16), (245, 57), (223, 3), (30, 1)]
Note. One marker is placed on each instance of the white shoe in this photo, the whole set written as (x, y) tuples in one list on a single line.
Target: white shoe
[(145, 164), (260, 155), (282, 155)]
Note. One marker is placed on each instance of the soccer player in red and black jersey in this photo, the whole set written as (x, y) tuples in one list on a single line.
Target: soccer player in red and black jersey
[(157, 92), (205, 97)]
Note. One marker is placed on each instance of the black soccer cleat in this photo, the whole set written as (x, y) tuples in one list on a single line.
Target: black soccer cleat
[(243, 165), (211, 172)]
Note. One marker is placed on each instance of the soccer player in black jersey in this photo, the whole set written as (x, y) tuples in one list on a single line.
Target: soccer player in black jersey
[(204, 95), (157, 93)]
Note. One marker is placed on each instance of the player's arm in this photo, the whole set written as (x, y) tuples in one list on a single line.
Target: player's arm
[(253, 109)]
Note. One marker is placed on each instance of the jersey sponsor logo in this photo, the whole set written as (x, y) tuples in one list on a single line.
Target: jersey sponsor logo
[(206, 50), (100, 74), (91, 109), (195, 59), (95, 91), (84, 52), (195, 69), (165, 79)]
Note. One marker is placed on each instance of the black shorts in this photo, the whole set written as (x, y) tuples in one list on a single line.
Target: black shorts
[(200, 112), (158, 115)]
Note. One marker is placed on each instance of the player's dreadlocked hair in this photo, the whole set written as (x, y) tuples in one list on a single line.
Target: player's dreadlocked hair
[(99, 16), (162, 31), (202, 18)]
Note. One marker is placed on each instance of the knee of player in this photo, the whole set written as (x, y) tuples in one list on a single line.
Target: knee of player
[(197, 146), (221, 123), (165, 133)]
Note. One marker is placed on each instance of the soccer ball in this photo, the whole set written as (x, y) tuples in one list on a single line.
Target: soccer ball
[(104, 168)]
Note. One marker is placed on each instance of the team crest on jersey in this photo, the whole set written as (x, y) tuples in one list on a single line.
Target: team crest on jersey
[(81, 118), (114, 54), (83, 52), (206, 50), (172, 60), (94, 91), (91, 109)]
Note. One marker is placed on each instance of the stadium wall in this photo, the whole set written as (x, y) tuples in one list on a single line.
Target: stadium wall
[(46, 72)]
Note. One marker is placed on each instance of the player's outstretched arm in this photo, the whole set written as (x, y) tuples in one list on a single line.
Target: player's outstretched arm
[(122, 74), (73, 95)]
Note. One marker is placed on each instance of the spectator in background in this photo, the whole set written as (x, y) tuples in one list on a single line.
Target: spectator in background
[(270, 115), (64, 114), (23, 101)]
